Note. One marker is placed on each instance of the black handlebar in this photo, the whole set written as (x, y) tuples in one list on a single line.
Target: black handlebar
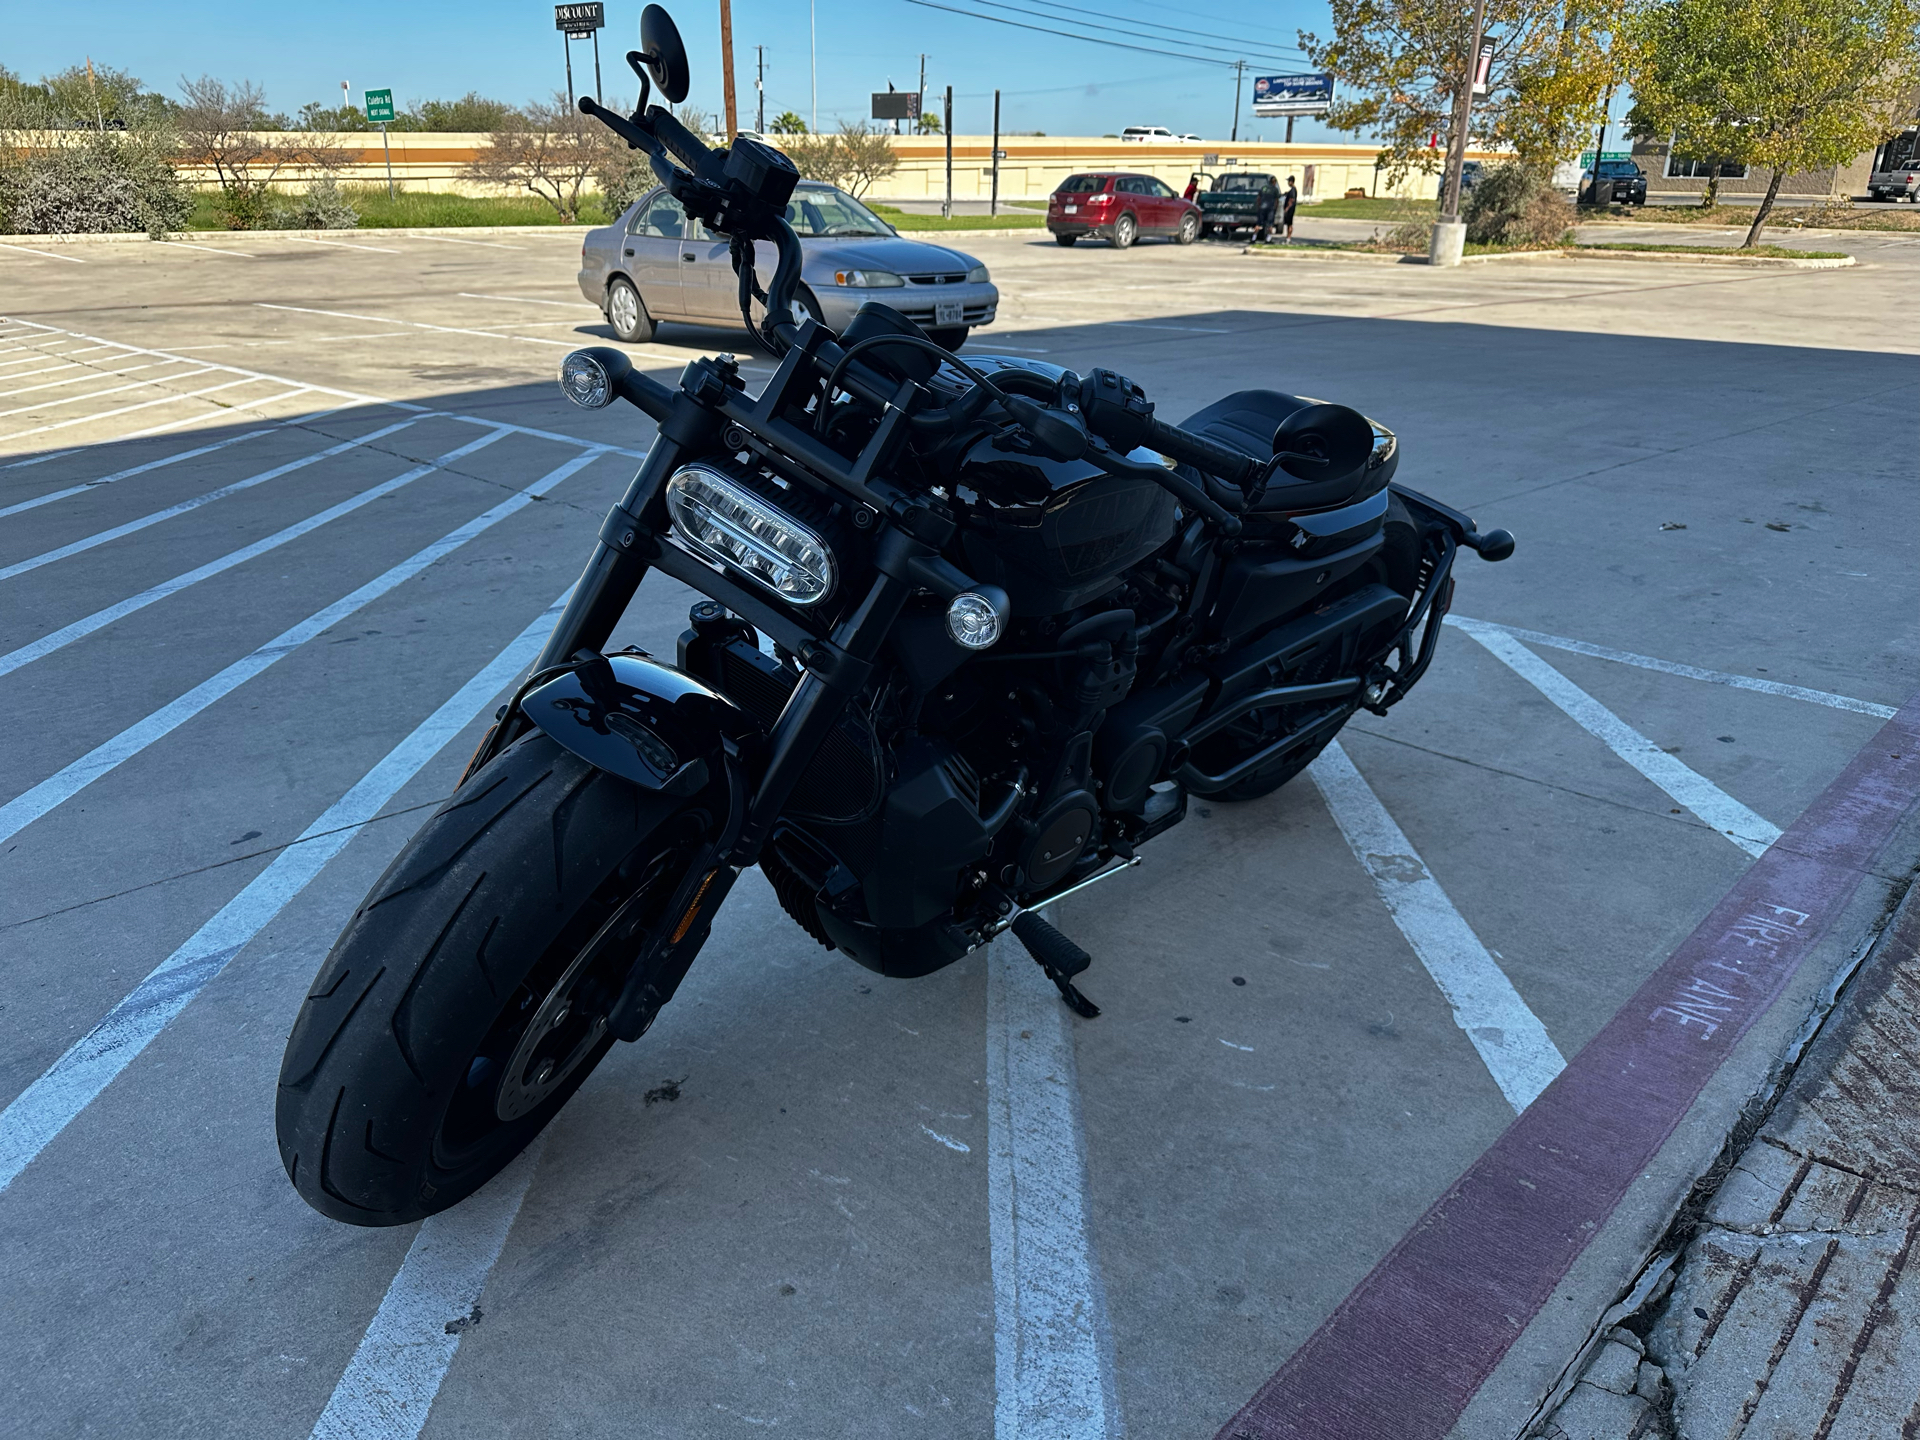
[(1233, 466)]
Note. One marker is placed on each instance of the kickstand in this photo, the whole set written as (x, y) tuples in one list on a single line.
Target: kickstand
[(1059, 957)]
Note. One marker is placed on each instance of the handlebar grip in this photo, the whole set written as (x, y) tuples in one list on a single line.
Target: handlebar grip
[(1233, 466)]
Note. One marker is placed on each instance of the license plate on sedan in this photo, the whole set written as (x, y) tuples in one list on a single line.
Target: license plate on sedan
[(1073, 209), (948, 312)]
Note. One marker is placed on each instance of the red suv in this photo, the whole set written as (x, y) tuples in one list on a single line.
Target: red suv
[(1120, 208)]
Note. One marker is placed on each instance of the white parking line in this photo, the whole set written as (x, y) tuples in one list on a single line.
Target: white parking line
[(39, 460), (1752, 833), (450, 240), (1052, 1368), (129, 409), (88, 372), (340, 244), (210, 249), (127, 474), (529, 300), (97, 394), (72, 778), (259, 404), (44, 254), (1670, 667), (395, 1374), (101, 537), (411, 324), (49, 1104), (1511, 1041), (67, 634)]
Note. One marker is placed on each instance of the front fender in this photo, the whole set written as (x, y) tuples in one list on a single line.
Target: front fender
[(634, 717)]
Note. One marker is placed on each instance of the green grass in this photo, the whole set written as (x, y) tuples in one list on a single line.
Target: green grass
[(1768, 252), (1380, 208), (420, 209), (901, 220), (1819, 217)]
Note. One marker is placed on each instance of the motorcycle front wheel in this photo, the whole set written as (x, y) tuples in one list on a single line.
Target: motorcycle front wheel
[(467, 999)]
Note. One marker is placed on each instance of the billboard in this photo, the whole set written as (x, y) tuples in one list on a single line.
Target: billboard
[(896, 104), (1292, 94)]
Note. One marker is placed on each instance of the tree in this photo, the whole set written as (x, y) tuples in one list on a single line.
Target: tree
[(228, 130), (1397, 64), (867, 155), (788, 123), (550, 149), (1792, 85), (928, 123), (472, 112), (817, 157), (87, 158)]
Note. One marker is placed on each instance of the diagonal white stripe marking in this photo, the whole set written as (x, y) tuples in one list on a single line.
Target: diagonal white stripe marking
[(1510, 1039), (259, 404), (1670, 667), (38, 460), (395, 1374), (45, 254), (412, 324), (1752, 833), (63, 784), (88, 372), (67, 634), (47, 557), (49, 1104), (1052, 1377), (126, 474), (114, 390), (341, 244), (129, 409)]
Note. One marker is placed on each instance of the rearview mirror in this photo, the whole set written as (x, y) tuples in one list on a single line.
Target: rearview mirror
[(664, 54)]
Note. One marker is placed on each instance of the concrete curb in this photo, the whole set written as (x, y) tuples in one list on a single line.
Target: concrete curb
[(368, 232), (1758, 262)]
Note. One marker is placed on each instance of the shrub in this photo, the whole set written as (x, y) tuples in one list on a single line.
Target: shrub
[(102, 183), (323, 207), (1515, 204)]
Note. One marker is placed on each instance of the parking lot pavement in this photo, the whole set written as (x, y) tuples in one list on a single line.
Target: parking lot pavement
[(250, 635)]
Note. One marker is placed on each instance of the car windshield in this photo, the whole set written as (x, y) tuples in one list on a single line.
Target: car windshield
[(1619, 167), (1242, 182), (821, 210), (1082, 184)]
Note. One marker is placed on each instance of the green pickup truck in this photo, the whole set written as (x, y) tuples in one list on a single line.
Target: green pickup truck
[(1232, 202)]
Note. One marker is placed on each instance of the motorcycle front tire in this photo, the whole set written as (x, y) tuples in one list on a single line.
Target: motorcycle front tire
[(466, 1000)]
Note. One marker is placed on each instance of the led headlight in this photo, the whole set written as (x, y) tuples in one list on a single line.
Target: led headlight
[(725, 522), (972, 621), (977, 275), (584, 381)]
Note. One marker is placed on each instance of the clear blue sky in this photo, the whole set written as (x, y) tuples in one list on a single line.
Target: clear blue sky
[(509, 49)]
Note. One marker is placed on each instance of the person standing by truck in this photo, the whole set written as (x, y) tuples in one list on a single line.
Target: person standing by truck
[(1263, 213), (1288, 206), (1193, 187)]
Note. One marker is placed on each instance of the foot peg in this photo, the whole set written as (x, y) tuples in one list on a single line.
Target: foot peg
[(1059, 957)]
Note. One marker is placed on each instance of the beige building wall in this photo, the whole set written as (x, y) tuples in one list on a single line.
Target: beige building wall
[(1034, 165)]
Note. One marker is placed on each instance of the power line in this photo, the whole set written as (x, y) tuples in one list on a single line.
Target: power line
[(1238, 43), (1070, 35), (1184, 11), (1236, 49)]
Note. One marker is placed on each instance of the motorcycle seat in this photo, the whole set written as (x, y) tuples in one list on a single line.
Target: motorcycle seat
[(1246, 420)]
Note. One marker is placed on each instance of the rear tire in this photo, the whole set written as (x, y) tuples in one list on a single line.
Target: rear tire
[(466, 1000), (1065, 239), (627, 312), (1126, 230)]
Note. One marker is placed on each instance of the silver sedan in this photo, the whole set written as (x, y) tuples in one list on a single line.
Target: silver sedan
[(656, 264)]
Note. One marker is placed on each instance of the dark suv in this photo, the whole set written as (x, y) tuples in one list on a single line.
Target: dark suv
[(1619, 181)]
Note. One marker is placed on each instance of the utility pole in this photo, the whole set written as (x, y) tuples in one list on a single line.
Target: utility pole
[(598, 97), (813, 43), (1239, 74), (760, 91), (946, 124), (923, 88), (566, 44), (726, 69), (993, 205), (1289, 129), (1599, 147), (1449, 232)]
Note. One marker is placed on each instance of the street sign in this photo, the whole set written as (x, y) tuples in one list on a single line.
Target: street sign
[(999, 154), (896, 105), (379, 106), (1482, 67), (580, 19), (1586, 156), (1292, 94)]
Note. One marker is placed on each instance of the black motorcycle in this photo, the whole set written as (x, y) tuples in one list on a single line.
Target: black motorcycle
[(977, 631)]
